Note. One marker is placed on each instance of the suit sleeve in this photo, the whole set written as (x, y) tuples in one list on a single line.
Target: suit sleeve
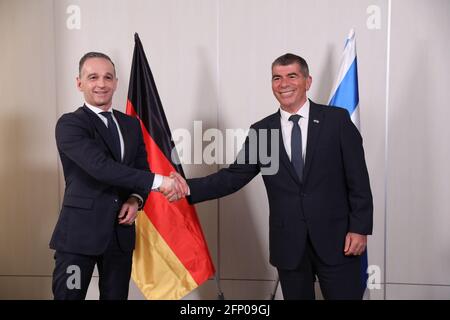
[(74, 141), (226, 181), (357, 178), (141, 161)]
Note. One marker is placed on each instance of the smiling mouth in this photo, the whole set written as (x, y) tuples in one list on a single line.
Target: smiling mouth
[(287, 93)]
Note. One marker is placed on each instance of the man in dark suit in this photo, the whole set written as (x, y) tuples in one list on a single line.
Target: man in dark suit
[(319, 197), (107, 181)]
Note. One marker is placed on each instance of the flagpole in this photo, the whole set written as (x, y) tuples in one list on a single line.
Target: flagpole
[(220, 295), (274, 292)]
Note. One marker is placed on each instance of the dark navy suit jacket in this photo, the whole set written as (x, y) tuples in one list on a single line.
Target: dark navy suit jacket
[(97, 184), (334, 198)]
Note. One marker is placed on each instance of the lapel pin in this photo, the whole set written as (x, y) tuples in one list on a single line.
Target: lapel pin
[(316, 121)]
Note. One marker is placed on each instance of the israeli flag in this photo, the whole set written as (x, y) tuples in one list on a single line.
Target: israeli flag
[(345, 90), (345, 95)]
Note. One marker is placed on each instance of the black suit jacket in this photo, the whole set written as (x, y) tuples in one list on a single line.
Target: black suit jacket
[(334, 198), (97, 184)]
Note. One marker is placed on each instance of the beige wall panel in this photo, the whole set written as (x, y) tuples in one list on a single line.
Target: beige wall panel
[(417, 292), (26, 288), (418, 241), (28, 164)]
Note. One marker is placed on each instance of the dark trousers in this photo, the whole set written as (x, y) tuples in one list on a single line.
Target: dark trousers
[(337, 282), (73, 272)]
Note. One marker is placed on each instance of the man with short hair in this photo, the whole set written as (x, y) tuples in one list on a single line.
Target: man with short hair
[(108, 179), (320, 199)]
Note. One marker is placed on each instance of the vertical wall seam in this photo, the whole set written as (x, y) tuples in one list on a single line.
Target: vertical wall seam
[(217, 123), (386, 144), (55, 97)]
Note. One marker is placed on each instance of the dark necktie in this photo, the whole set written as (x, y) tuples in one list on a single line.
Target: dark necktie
[(114, 133), (296, 146)]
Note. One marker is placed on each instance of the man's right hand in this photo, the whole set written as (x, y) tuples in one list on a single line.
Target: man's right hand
[(181, 182), (173, 187)]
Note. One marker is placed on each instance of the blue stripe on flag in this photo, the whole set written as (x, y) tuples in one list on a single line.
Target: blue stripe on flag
[(347, 95)]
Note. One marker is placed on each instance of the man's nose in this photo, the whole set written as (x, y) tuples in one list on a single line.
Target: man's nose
[(283, 83), (100, 82)]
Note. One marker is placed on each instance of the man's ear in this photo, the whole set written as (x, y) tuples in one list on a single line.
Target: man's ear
[(308, 83), (115, 83), (78, 82)]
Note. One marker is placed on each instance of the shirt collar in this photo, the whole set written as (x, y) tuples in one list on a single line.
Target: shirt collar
[(303, 112), (96, 109)]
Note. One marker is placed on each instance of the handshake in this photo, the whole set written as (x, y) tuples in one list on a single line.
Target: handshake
[(174, 187)]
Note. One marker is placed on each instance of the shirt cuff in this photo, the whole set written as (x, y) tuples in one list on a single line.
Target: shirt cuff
[(157, 181), (140, 200)]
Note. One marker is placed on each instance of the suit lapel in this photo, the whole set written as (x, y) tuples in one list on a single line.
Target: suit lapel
[(101, 129), (275, 123), (315, 123)]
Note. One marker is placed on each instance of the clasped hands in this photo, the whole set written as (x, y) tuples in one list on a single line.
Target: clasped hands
[(174, 187)]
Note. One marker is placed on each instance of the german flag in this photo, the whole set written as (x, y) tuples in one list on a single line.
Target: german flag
[(171, 257)]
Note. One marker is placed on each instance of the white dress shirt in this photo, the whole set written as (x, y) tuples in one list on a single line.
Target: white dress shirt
[(286, 128), (105, 121)]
